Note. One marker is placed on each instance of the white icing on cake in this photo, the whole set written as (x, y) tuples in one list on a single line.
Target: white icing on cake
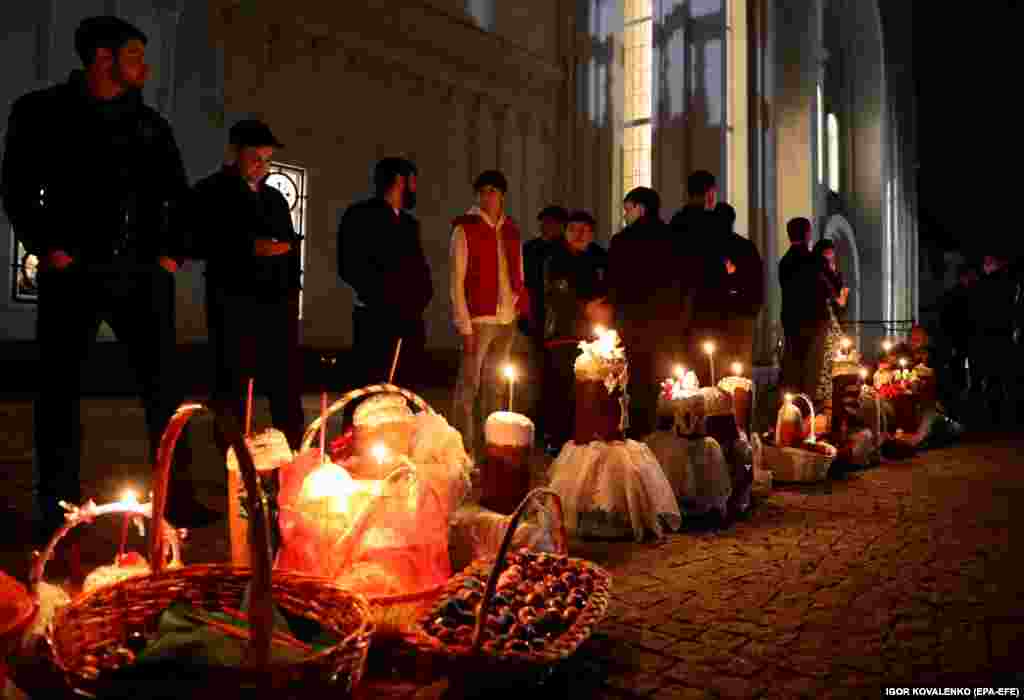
[(731, 384), (845, 367), (269, 450), (380, 409), (924, 371), (716, 402), (507, 429)]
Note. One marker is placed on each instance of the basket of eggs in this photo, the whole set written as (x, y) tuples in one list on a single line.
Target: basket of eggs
[(522, 610)]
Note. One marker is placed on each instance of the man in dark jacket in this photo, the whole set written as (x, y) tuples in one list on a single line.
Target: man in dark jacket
[(380, 256), (574, 277), (993, 348), (244, 230), (805, 298), (955, 321), (697, 228), (649, 279), (552, 220), (744, 293), (108, 241)]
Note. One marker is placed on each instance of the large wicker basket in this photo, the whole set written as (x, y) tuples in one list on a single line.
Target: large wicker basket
[(471, 656), (392, 614), (109, 615)]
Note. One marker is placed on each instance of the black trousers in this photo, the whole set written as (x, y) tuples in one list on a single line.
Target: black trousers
[(257, 339), (376, 335), (803, 357), (557, 410), (137, 302)]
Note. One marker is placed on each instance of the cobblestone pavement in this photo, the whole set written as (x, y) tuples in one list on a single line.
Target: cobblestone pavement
[(893, 576)]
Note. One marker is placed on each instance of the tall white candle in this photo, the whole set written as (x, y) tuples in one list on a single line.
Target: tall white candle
[(709, 348)]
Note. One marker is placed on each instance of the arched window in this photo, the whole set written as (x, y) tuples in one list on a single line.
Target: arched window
[(832, 130)]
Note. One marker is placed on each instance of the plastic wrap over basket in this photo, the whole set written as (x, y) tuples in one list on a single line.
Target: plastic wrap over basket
[(476, 532), (390, 537)]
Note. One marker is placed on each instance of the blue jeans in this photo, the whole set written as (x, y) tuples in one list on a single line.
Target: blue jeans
[(480, 378)]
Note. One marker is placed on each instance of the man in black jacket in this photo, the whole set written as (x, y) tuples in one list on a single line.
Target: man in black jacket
[(244, 231), (380, 256), (649, 285), (743, 293), (93, 184), (697, 229), (805, 298)]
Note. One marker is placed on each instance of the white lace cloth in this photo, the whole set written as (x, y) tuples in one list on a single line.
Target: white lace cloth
[(613, 489), (697, 470)]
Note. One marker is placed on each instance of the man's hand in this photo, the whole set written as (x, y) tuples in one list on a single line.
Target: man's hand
[(57, 260), (469, 343), (169, 264), (730, 269), (844, 296), (267, 247)]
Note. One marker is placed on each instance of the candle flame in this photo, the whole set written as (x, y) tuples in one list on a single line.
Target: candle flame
[(129, 497), (380, 453), (737, 368), (903, 362), (709, 347), (599, 330), (863, 373), (679, 371), (845, 343), (886, 345), (789, 398), (510, 373)]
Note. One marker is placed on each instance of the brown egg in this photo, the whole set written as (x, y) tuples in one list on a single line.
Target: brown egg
[(535, 600), (527, 615), (570, 615)]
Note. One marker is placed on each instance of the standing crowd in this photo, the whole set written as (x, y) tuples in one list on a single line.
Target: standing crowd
[(110, 242)]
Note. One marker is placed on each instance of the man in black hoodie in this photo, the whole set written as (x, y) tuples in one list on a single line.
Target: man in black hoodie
[(380, 256), (94, 184), (244, 231)]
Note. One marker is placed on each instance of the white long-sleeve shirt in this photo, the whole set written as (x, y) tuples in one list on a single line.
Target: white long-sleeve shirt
[(459, 256)]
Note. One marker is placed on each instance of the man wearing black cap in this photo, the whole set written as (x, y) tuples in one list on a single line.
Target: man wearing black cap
[(380, 256), (93, 183), (488, 295), (243, 229)]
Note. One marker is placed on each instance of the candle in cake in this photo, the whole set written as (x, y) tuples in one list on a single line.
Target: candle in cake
[(886, 346), (128, 498), (709, 348), (510, 375), (737, 369), (505, 475), (904, 374)]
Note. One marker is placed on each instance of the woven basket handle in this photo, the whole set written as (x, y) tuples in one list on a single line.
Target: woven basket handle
[(85, 514), (499, 560), (314, 427), (261, 614)]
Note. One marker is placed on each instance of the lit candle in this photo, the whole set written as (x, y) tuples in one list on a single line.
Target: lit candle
[(323, 427), (903, 368), (128, 498), (709, 348), (599, 330), (863, 374), (886, 346), (679, 371), (510, 375), (737, 369), (380, 453)]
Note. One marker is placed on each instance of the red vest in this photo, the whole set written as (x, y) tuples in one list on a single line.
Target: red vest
[(482, 265)]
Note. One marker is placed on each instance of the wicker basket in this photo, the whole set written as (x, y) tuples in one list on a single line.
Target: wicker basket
[(471, 656), (392, 614), (109, 615), (792, 464)]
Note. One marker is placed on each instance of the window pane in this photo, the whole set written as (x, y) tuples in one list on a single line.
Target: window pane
[(638, 52), (636, 157)]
